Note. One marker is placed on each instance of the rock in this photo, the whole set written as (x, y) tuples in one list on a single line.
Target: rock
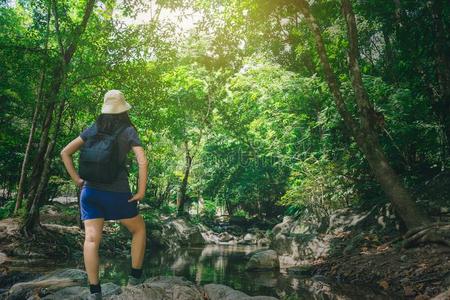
[(442, 296), (140, 292), (65, 200), (263, 260), (210, 237), (3, 258), (345, 219), (264, 242), (300, 242), (283, 227), (196, 238), (82, 292), (223, 292), (48, 284), (71, 284), (162, 288), (251, 253), (249, 237), (179, 232), (225, 237)]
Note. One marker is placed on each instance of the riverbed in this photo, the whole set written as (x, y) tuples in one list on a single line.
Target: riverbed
[(222, 264)]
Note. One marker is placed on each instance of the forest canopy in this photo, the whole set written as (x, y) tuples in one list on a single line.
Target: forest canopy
[(256, 109)]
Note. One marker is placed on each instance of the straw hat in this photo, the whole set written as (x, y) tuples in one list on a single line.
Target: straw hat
[(114, 103)]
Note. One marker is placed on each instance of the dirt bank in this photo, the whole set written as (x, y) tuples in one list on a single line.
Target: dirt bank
[(363, 249), (56, 241), (417, 273)]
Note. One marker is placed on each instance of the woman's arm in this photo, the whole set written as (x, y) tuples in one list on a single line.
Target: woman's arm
[(66, 156), (142, 162)]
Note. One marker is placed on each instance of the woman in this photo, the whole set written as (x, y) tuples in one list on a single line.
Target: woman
[(111, 201)]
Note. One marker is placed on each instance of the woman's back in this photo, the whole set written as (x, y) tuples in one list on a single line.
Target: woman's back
[(126, 139)]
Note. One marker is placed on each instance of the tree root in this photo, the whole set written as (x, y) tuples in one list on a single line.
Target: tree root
[(32, 234), (438, 233)]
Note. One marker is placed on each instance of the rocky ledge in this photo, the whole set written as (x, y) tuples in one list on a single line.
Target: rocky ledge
[(71, 284)]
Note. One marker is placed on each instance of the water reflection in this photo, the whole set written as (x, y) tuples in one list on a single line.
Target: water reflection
[(225, 265)]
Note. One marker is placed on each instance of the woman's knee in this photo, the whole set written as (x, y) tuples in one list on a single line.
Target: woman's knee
[(92, 236), (93, 230), (139, 228), (135, 225)]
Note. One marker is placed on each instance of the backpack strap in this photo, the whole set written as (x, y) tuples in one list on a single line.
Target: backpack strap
[(115, 135)]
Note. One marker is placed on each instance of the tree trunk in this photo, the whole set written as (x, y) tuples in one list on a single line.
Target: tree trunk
[(364, 132), (181, 196), (442, 69), (39, 158), (31, 221), (20, 188), (228, 206), (42, 160), (26, 158), (389, 56)]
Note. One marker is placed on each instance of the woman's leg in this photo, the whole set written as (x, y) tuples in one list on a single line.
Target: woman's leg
[(136, 226), (93, 235)]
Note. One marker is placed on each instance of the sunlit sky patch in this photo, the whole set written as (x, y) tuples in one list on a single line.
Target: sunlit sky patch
[(184, 19)]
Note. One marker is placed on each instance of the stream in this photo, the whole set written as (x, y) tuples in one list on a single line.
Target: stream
[(215, 264)]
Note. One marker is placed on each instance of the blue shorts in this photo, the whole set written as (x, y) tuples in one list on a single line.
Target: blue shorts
[(105, 204)]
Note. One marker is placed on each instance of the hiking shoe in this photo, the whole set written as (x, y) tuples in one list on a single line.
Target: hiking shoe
[(95, 296), (132, 281)]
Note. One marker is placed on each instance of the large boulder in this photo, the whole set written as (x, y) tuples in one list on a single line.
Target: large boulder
[(162, 288), (225, 237), (263, 260), (249, 238), (283, 227), (300, 242), (48, 284), (264, 242), (223, 292), (179, 232), (442, 296), (82, 292), (71, 284)]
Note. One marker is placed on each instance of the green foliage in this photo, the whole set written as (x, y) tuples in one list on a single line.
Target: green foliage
[(209, 211), (241, 213), (319, 186), (6, 209), (241, 90)]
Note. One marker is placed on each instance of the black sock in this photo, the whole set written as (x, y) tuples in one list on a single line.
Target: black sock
[(136, 273), (95, 288)]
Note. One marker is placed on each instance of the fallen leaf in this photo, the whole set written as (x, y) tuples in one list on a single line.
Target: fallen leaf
[(382, 248), (384, 284), (409, 291)]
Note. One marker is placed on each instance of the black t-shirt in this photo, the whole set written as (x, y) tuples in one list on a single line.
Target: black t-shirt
[(127, 139)]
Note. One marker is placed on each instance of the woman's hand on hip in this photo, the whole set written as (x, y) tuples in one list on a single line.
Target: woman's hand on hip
[(79, 182), (136, 197)]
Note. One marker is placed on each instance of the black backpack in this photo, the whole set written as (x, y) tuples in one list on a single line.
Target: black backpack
[(99, 161)]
